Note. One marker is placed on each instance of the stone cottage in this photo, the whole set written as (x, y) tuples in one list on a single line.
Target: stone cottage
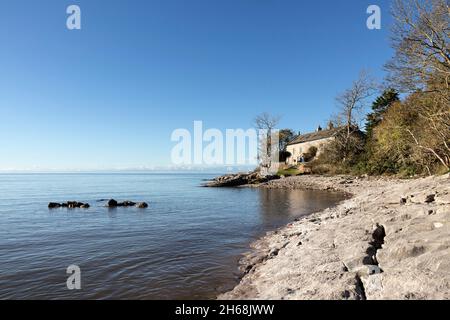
[(301, 144)]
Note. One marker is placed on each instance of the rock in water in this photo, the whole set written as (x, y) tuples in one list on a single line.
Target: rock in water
[(53, 205), (126, 204), (112, 203), (72, 204), (68, 204), (239, 179), (142, 205)]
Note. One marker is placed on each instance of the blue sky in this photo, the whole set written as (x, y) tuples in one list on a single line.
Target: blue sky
[(110, 95)]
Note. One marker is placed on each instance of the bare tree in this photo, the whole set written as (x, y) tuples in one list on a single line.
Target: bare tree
[(420, 37), (266, 121), (268, 148), (351, 104)]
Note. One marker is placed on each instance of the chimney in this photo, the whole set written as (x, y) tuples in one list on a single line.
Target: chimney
[(330, 125), (319, 128)]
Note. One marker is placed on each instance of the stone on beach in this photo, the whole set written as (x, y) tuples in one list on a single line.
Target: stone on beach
[(430, 198)]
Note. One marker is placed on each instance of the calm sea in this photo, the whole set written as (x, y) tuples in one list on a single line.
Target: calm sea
[(186, 245)]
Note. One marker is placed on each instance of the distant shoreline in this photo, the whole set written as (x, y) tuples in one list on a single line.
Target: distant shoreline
[(390, 240)]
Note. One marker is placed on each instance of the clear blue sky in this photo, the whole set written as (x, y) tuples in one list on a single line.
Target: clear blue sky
[(110, 95)]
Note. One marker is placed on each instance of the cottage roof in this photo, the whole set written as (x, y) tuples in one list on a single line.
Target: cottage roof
[(312, 136)]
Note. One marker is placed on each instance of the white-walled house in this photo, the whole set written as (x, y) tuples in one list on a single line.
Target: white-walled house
[(299, 147), (301, 144)]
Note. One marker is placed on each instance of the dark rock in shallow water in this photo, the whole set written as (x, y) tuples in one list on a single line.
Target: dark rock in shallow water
[(240, 179), (142, 205), (53, 205), (126, 204), (112, 203), (68, 204), (72, 204), (76, 204)]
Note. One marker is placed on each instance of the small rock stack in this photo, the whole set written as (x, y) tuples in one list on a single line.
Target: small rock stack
[(69, 205), (114, 204), (111, 204)]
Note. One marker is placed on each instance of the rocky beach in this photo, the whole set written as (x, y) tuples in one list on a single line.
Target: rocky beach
[(389, 240)]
